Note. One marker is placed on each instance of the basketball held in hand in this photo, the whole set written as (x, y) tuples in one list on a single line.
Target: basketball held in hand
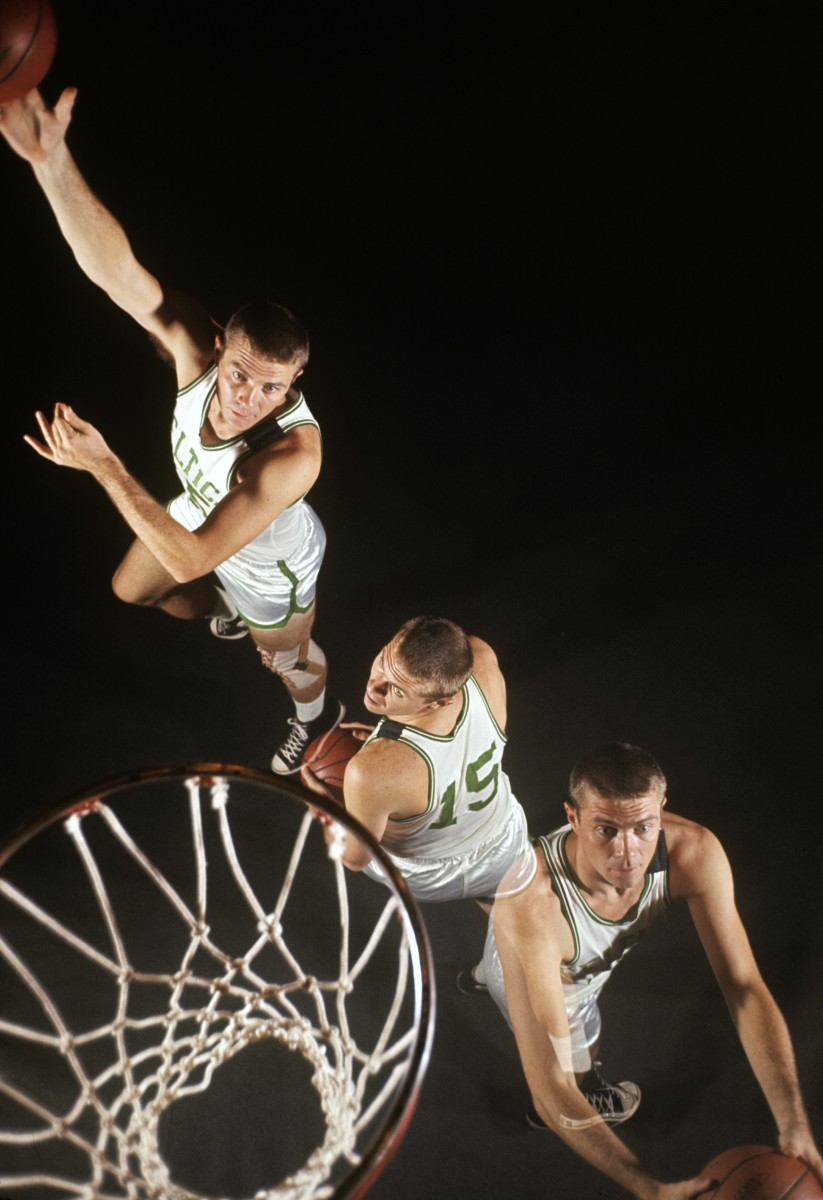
[(760, 1173), (326, 757), (28, 42)]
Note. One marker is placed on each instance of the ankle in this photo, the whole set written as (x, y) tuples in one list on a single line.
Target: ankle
[(308, 712)]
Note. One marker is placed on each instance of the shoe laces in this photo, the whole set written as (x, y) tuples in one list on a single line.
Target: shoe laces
[(603, 1101), (295, 743), (604, 1097)]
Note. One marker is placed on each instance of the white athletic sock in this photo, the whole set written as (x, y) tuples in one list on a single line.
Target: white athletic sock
[(312, 710), (479, 974)]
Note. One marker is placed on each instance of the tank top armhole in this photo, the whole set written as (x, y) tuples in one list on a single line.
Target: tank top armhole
[(183, 391)]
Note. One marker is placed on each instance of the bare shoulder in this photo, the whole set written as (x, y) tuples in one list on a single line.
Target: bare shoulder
[(530, 925), (302, 441), (299, 454), (685, 838), (696, 855), (485, 658), (532, 907), (389, 774), (382, 754), (487, 673)]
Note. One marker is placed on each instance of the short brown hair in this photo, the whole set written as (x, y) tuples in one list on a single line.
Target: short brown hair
[(616, 771), (272, 330), (436, 652)]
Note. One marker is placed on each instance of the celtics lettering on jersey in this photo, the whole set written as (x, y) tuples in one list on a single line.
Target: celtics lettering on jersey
[(475, 782), (607, 960), (203, 492)]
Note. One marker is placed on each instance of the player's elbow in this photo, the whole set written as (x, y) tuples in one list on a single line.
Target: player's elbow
[(189, 561), (747, 995), (563, 1108), (185, 572), (355, 859), (352, 864), (547, 1111)]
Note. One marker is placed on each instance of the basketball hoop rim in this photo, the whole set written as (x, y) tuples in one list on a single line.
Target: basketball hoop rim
[(385, 1143)]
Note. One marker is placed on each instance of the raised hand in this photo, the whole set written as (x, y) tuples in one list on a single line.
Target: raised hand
[(32, 129), (69, 441)]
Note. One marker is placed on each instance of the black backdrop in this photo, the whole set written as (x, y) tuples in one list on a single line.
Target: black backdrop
[(560, 276)]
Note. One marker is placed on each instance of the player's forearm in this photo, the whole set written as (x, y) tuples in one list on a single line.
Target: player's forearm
[(96, 238), (573, 1119), (586, 1133), (174, 547), (766, 1041)]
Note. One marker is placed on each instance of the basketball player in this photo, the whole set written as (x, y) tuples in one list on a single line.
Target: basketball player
[(240, 545), (599, 882), (428, 782)]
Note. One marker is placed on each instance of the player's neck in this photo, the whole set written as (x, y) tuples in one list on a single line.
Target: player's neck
[(441, 720), (216, 429)]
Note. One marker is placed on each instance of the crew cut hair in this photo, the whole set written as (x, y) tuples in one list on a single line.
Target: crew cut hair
[(272, 330), (437, 653), (616, 771)]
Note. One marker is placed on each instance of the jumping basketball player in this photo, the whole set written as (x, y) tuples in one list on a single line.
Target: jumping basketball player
[(240, 545)]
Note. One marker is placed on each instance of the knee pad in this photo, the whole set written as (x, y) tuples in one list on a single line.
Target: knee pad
[(298, 667)]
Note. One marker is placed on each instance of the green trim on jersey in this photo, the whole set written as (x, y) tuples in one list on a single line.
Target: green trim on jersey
[(560, 892)]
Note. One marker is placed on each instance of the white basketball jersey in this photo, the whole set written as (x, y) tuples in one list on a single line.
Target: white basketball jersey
[(470, 797), (207, 473), (599, 944)]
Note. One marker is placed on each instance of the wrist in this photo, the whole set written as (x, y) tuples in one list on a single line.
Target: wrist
[(51, 166), (110, 473)]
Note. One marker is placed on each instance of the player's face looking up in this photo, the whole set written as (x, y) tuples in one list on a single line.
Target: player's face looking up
[(615, 839), (249, 385), (391, 692)]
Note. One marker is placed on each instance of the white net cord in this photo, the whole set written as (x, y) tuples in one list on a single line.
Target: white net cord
[(210, 1003)]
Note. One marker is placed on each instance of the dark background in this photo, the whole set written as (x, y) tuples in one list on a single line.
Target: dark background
[(561, 278)]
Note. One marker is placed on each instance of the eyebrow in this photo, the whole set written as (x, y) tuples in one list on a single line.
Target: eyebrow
[(237, 365), (612, 824), (389, 675)]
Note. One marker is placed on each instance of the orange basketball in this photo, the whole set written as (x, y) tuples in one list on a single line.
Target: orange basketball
[(760, 1173), (28, 41), (326, 757)]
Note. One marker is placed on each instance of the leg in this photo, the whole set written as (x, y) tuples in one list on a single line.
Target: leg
[(140, 579), (290, 653), (305, 683), (612, 1102)]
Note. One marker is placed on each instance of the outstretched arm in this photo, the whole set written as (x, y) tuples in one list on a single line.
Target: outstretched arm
[(97, 240), (529, 935), (279, 477), (703, 871)]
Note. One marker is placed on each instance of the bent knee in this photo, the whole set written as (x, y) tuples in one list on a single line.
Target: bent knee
[(133, 591), (300, 666)]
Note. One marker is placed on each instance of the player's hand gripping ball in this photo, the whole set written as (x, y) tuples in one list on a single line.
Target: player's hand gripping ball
[(760, 1173), (326, 757), (28, 42)]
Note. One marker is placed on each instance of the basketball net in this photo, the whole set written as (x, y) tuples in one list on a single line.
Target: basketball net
[(172, 1025)]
